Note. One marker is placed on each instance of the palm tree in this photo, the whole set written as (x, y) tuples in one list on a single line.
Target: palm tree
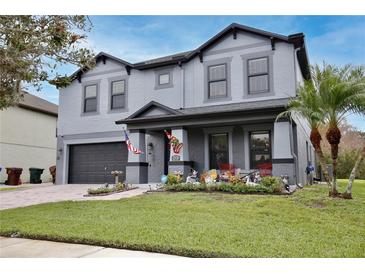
[(341, 92), (307, 105)]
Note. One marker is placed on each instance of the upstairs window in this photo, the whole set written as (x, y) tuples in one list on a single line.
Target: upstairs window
[(258, 75), (90, 98), (117, 94), (217, 81), (164, 79)]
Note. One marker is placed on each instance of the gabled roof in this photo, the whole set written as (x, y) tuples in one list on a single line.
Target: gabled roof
[(153, 106), (296, 39), (102, 56), (235, 28), (35, 103)]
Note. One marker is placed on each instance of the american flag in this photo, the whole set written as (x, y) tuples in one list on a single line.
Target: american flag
[(130, 146)]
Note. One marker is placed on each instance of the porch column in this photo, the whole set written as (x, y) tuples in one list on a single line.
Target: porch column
[(137, 167), (179, 158), (282, 159)]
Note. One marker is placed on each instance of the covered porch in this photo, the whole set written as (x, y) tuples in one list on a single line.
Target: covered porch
[(246, 138)]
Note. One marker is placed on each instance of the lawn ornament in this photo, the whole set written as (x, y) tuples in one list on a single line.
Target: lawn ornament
[(164, 179), (193, 176), (211, 176), (116, 174), (178, 174), (285, 180)]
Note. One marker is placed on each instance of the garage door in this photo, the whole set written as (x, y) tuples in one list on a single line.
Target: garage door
[(92, 163)]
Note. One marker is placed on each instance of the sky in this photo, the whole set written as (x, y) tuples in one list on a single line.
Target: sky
[(337, 40)]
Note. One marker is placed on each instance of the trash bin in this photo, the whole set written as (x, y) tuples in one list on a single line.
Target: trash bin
[(13, 176), (35, 175), (52, 170)]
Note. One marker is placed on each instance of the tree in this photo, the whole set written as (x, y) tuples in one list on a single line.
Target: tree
[(33, 47), (341, 92), (307, 105), (351, 138), (348, 192)]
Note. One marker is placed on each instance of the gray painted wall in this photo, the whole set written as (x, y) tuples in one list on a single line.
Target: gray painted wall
[(196, 148), (187, 90)]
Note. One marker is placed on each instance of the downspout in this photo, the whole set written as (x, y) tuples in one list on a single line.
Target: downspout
[(295, 69), (295, 157)]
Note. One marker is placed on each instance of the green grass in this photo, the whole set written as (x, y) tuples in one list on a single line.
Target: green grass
[(11, 188), (306, 224)]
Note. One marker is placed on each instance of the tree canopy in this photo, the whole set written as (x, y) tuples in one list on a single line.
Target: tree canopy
[(32, 48)]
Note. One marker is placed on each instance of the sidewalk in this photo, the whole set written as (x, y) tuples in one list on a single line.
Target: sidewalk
[(25, 248)]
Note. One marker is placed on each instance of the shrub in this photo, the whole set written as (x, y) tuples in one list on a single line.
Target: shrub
[(346, 161), (173, 179), (234, 179), (185, 187), (273, 183), (224, 187), (100, 190), (120, 186)]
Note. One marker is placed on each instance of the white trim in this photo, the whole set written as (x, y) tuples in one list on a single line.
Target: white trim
[(208, 131)]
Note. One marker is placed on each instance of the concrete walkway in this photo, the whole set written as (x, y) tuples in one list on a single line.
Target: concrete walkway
[(25, 248), (55, 193)]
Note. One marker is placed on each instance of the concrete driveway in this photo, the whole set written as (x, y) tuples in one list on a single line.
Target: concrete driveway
[(39, 194), (25, 248)]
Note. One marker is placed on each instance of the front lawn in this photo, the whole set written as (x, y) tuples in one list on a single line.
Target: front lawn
[(11, 188), (305, 224)]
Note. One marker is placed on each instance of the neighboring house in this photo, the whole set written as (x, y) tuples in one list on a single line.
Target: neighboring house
[(28, 136), (220, 101)]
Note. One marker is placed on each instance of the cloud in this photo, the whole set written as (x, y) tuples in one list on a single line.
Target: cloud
[(340, 45)]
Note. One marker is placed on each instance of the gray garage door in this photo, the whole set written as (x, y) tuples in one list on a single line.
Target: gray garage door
[(92, 163)]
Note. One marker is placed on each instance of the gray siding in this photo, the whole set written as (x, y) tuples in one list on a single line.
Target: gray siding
[(186, 91), (196, 148)]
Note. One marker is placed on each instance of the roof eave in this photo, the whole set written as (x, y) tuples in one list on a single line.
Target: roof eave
[(196, 115)]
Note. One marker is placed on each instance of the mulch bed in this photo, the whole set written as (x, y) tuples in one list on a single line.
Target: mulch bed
[(109, 193)]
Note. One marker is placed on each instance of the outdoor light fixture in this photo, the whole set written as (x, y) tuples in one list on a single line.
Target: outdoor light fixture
[(150, 148)]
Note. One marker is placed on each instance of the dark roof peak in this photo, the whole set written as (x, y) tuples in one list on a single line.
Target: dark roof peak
[(296, 39)]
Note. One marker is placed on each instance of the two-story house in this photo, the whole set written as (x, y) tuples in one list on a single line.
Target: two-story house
[(220, 101)]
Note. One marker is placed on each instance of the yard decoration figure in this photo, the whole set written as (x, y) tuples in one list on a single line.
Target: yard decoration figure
[(193, 177), (178, 174), (175, 143), (211, 177), (116, 174), (309, 170), (285, 180), (164, 179)]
